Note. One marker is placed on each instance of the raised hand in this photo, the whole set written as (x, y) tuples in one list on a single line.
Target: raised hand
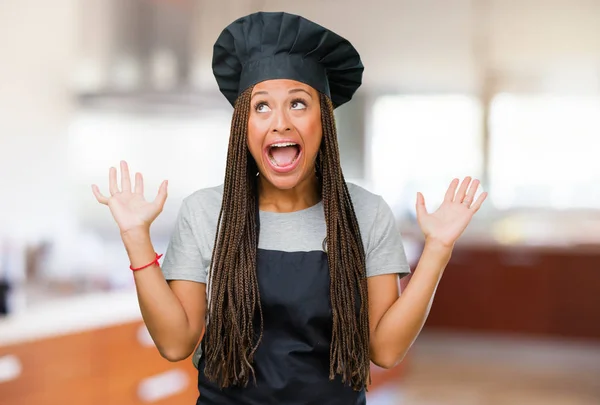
[(128, 207), (449, 221)]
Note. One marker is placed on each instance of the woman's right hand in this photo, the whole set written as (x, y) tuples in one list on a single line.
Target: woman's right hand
[(128, 207)]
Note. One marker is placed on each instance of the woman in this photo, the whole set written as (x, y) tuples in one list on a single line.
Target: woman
[(292, 272)]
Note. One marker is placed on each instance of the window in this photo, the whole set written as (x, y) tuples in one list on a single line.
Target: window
[(420, 143), (191, 152), (544, 151)]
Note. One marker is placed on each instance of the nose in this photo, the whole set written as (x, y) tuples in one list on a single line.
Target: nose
[(281, 122)]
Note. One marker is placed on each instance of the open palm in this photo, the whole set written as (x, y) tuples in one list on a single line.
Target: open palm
[(449, 221), (128, 207)]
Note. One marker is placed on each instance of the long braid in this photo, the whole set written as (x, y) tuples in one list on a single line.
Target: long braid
[(233, 294), (234, 299), (349, 353)]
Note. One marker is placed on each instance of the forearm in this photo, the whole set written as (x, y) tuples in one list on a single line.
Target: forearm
[(161, 310), (403, 321)]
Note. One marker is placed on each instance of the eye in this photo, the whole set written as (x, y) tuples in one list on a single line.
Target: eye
[(261, 107), (298, 104)]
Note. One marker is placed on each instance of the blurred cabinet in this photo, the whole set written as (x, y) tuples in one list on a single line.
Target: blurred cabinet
[(113, 366), (528, 290), (51, 371), (107, 366)]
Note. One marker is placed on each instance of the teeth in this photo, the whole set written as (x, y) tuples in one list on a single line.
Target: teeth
[(280, 145), (283, 144)]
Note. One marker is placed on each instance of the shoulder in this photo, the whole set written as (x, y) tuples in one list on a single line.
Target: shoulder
[(201, 208), (372, 212), (205, 200), (364, 201)]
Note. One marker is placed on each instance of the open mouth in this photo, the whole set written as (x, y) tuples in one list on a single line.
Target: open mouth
[(283, 155)]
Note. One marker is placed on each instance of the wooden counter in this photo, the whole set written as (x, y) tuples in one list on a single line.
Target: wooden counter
[(96, 351), (105, 366), (543, 291)]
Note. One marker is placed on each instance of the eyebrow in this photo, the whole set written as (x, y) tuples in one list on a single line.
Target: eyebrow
[(297, 90), (259, 92)]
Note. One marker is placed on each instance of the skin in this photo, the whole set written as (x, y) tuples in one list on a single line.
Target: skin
[(174, 311), (285, 110)]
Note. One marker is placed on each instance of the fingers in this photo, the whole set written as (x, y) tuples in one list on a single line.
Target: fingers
[(460, 194), (125, 183), (477, 204), (101, 198), (466, 193), (421, 209), (449, 197), (468, 199), (125, 178), (139, 184), (161, 197), (112, 181)]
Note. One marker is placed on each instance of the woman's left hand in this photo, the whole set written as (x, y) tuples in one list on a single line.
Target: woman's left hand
[(449, 221)]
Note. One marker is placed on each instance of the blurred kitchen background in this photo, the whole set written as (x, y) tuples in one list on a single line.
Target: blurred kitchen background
[(507, 91)]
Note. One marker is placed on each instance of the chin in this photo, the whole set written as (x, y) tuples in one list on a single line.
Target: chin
[(283, 182), (286, 179)]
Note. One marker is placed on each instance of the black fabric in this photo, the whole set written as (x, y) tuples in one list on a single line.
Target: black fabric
[(292, 360), (268, 45), (4, 289)]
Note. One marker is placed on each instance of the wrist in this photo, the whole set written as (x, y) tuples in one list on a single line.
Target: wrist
[(438, 248), (438, 244), (136, 235), (139, 247), (434, 258)]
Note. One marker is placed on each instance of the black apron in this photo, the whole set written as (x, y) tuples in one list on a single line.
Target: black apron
[(292, 361)]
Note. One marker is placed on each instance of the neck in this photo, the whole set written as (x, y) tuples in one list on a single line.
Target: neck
[(304, 195)]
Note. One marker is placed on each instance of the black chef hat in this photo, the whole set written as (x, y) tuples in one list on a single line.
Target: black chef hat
[(267, 45)]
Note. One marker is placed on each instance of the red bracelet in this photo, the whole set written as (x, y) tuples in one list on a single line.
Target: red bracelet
[(155, 261)]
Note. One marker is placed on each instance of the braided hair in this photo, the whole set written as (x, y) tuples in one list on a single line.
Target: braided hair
[(234, 299)]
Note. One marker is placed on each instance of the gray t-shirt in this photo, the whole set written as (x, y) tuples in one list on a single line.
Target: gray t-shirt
[(189, 252)]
